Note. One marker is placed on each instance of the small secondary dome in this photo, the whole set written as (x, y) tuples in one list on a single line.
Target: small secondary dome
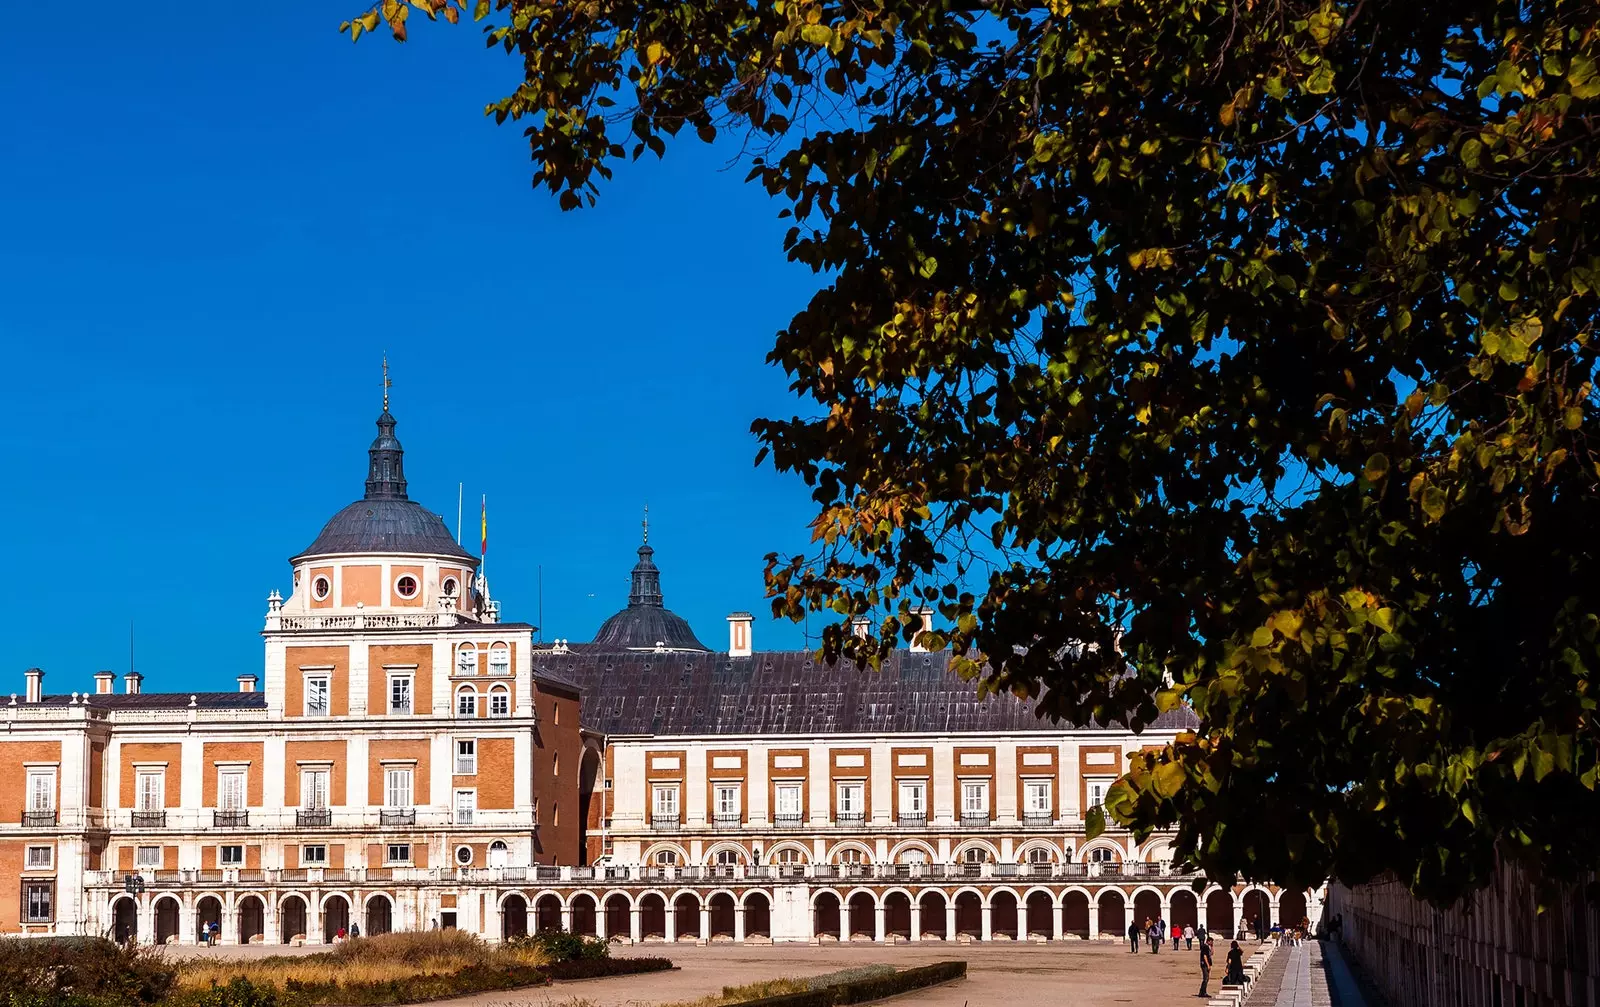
[(646, 624)]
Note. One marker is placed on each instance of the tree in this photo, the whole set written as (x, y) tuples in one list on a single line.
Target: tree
[(1229, 353)]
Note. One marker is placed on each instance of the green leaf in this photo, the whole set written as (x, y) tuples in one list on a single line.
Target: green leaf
[(1377, 467), (1169, 779), (1321, 79), (1433, 502), (1094, 823)]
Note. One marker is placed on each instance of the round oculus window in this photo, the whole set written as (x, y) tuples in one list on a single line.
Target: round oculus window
[(320, 588), (449, 587), (463, 855), (406, 587)]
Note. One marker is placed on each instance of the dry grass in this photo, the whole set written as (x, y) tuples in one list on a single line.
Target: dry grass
[(367, 960), (777, 987)]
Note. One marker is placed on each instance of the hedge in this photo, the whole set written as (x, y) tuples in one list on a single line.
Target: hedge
[(864, 990), (596, 968)]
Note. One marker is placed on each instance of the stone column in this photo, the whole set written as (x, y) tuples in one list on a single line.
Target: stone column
[(313, 919), (1094, 920), (600, 921), (878, 933), (229, 924), (566, 918), (986, 933), (844, 921), (950, 919), (635, 928), (738, 922), (1272, 911), (1056, 932), (705, 922), (916, 922), (188, 925), (670, 923), (1238, 916)]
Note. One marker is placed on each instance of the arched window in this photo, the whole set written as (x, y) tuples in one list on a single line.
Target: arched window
[(499, 659), (1039, 855), (466, 659), (727, 858), (913, 855), (499, 701), (466, 701), (788, 855), (975, 855), (666, 858), (1101, 855), (851, 857)]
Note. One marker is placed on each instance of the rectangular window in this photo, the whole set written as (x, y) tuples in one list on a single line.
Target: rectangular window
[(499, 660), (397, 788), (41, 858), (500, 703), (230, 856), (398, 853), (466, 806), (38, 902), (852, 799), (318, 690), (466, 757), (314, 856), (41, 790), (467, 703), (1036, 801), (727, 800), (1097, 793), (147, 856), (314, 789), (400, 694), (231, 790), (151, 792), (913, 797), (975, 799), (788, 800), (666, 802)]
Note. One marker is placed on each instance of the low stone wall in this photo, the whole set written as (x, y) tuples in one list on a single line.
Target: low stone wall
[(1493, 950)]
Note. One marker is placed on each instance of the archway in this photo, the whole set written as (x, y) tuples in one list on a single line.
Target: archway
[(1041, 914), (757, 915), (513, 917), (547, 914), (583, 914), (897, 915), (617, 916), (1146, 908), (1219, 913), (933, 915), (335, 917), (252, 920), (721, 912), (686, 916), (863, 916), (969, 914), (125, 921), (1292, 909), (1113, 912), (1075, 914), (1002, 914), (825, 915), (1257, 912), (380, 917), (292, 913), (1185, 908), (652, 916), (207, 910), (166, 919)]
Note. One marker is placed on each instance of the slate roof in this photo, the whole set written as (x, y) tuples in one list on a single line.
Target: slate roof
[(786, 693), (162, 700), (646, 624)]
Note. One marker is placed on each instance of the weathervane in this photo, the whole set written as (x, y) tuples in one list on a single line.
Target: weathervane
[(646, 523), (386, 381)]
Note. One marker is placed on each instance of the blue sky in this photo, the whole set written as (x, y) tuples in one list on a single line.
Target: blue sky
[(212, 226)]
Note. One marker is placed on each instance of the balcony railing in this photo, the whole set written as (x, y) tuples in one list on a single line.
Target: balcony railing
[(230, 819), (974, 821), (463, 816), (313, 818), (916, 821), (787, 821), (664, 821), (1037, 819), (39, 819), (397, 816), (727, 821), (149, 819), (850, 819)]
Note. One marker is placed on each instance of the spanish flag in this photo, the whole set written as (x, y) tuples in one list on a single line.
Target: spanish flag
[(485, 550)]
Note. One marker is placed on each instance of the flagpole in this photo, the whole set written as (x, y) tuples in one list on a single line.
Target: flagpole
[(460, 487)]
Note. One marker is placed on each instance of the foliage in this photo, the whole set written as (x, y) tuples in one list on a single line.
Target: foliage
[(563, 946), (865, 988), (595, 968), (80, 972), (1227, 356), (238, 992), (769, 988)]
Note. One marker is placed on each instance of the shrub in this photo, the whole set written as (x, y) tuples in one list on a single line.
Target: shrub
[(240, 992), (81, 970), (862, 990), (594, 968), (564, 946)]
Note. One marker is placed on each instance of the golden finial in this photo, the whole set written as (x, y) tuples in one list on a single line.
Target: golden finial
[(386, 381)]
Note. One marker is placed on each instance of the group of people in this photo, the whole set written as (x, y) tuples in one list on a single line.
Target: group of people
[(1157, 932)]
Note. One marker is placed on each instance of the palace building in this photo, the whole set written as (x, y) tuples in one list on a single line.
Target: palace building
[(405, 759)]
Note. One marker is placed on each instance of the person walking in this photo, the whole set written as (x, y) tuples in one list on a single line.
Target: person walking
[(1133, 937), (355, 930), (1177, 935), (1235, 974), (1188, 936), (1205, 968), (1154, 934)]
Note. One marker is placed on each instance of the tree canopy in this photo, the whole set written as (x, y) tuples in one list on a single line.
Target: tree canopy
[(1236, 354)]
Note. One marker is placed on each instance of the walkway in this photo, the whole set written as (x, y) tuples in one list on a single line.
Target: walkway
[(1310, 974)]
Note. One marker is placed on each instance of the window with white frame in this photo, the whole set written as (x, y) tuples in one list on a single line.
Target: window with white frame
[(499, 659), (975, 855), (400, 692), (1039, 855), (851, 799), (466, 659), (725, 800), (230, 856), (41, 791), (231, 789), (1036, 802), (150, 789), (466, 757), (319, 691), (974, 798), (729, 858), (314, 855), (664, 804), (787, 800), (913, 855), (466, 701), (464, 856), (314, 788), (397, 787), (500, 701), (1097, 792), (466, 806), (1101, 855), (147, 857), (851, 856), (913, 798), (40, 858), (397, 853), (789, 855), (38, 902), (666, 858)]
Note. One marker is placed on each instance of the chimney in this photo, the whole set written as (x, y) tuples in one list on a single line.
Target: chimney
[(739, 625), (860, 627), (130, 683), (247, 683), (35, 678), (105, 682), (925, 618)]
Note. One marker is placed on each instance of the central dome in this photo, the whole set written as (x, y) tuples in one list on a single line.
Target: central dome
[(646, 624)]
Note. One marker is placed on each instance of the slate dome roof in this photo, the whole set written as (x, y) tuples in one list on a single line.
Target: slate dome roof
[(646, 624), (385, 520)]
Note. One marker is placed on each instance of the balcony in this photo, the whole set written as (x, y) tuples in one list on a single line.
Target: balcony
[(1038, 819), (313, 818), (850, 819), (463, 816), (149, 820), (397, 816), (971, 820), (787, 820), (727, 821), (230, 819), (39, 819), (665, 823), (916, 821)]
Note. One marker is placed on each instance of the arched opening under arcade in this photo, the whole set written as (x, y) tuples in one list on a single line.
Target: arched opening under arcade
[(652, 916), (125, 921), (166, 919), (547, 914), (757, 915), (380, 917), (720, 908), (863, 916), (1146, 908), (1185, 908), (969, 914), (1219, 913), (1003, 914), (513, 917), (1113, 912), (207, 913), (1292, 909), (1075, 914), (618, 923), (933, 916), (1041, 914), (292, 915), (252, 913), (686, 916), (335, 918), (897, 915), (825, 910), (1257, 912), (583, 914)]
